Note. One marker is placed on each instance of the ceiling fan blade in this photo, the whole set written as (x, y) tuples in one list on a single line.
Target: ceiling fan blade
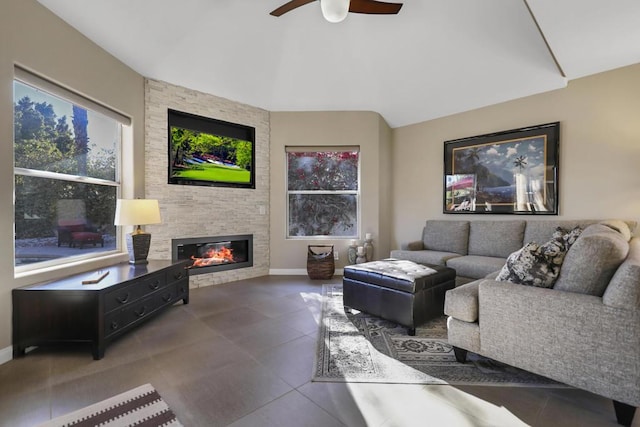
[(374, 7), (287, 7)]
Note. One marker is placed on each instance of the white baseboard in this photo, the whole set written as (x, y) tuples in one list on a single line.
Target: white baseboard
[(6, 354), (296, 272)]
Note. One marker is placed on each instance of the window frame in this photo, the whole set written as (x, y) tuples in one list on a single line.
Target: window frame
[(65, 94), (357, 192)]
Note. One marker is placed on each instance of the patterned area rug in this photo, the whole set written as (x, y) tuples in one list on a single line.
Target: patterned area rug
[(141, 406), (358, 347)]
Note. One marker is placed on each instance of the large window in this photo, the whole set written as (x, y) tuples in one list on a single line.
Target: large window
[(323, 192), (66, 174)]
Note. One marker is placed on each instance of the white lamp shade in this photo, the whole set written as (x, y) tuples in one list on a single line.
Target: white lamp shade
[(137, 212), (334, 10)]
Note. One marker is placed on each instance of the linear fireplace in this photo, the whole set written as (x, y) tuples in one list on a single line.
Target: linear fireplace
[(217, 253)]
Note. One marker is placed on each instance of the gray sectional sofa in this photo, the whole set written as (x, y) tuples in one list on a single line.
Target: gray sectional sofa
[(477, 248), (584, 331)]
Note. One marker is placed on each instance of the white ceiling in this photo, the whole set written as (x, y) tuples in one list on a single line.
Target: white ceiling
[(435, 58)]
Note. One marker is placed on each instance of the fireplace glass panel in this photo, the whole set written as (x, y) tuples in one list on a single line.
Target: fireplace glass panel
[(209, 254)]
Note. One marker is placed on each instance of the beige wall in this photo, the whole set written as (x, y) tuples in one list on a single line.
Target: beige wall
[(36, 39), (599, 151), (365, 129), (385, 198)]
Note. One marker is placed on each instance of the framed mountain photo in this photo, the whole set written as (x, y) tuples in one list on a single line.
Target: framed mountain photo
[(508, 172)]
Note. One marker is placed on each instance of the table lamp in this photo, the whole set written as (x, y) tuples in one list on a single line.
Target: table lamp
[(137, 212)]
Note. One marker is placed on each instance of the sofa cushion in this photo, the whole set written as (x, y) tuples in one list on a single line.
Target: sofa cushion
[(592, 261), (495, 238), (424, 257), (417, 245), (86, 236), (71, 222), (446, 236), (75, 228), (475, 266), (462, 302), (539, 265), (624, 289)]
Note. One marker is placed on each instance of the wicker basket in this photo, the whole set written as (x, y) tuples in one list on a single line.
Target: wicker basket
[(320, 265)]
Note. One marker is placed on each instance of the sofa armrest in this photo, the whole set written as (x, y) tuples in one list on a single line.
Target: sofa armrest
[(417, 245), (461, 302), (569, 337)]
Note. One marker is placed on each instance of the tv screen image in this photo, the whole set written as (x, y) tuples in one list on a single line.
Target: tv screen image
[(204, 151)]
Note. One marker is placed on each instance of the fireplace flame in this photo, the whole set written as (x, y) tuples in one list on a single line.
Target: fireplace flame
[(214, 257)]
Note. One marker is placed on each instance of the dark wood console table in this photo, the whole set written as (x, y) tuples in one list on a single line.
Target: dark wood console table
[(66, 310)]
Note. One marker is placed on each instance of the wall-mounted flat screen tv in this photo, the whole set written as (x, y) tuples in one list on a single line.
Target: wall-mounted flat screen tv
[(206, 151)]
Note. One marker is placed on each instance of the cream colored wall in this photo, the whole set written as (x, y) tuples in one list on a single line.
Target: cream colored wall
[(365, 129), (382, 245), (599, 151), (36, 39)]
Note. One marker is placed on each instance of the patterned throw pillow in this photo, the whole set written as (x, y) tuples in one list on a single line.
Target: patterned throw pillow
[(539, 265)]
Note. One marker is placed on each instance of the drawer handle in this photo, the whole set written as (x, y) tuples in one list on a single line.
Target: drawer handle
[(166, 298), (114, 325), (179, 275), (123, 299), (155, 285), (141, 312)]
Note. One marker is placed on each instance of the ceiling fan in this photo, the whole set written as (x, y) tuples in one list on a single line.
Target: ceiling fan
[(336, 10)]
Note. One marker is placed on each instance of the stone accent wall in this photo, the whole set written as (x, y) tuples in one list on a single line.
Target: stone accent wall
[(195, 211)]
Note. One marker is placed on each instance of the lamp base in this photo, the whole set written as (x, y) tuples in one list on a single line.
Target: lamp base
[(138, 247)]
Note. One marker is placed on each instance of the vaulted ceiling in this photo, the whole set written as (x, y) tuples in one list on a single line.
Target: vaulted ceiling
[(435, 58)]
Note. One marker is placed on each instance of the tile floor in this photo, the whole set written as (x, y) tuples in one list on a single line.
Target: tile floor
[(241, 354)]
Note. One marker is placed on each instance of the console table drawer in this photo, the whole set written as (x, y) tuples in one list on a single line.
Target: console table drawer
[(177, 272), (128, 294), (154, 283), (123, 296), (120, 319), (137, 311)]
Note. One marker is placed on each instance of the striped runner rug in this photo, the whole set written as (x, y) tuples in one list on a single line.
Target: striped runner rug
[(141, 407)]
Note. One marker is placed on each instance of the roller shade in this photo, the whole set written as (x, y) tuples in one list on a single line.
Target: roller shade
[(37, 82)]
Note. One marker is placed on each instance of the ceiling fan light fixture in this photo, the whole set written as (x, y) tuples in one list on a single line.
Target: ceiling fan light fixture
[(334, 11)]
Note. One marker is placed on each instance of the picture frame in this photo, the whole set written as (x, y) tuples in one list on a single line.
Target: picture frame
[(507, 172)]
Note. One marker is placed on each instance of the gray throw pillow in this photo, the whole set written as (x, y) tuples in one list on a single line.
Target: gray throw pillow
[(539, 265), (592, 261)]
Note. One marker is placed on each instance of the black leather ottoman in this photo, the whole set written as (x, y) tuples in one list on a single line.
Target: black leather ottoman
[(398, 290)]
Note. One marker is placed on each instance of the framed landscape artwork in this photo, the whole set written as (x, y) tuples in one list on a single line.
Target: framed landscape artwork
[(508, 172)]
